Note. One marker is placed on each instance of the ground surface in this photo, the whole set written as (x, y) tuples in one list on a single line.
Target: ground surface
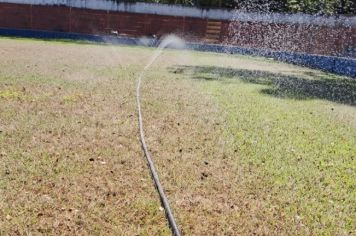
[(242, 145)]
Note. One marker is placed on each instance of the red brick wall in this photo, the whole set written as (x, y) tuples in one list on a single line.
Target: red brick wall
[(46, 18), (194, 28), (126, 23), (15, 16), (88, 21), (311, 39)]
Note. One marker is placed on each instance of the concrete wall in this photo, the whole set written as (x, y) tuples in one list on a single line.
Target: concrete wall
[(293, 33)]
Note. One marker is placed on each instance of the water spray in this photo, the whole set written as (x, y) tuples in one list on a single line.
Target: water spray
[(175, 42)]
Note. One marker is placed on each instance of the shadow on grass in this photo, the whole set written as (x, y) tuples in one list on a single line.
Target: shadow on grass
[(309, 85)]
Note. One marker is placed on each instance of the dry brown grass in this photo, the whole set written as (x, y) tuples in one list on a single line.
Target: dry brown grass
[(209, 191), (71, 160)]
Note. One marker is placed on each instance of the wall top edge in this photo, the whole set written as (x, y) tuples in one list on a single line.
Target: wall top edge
[(184, 11)]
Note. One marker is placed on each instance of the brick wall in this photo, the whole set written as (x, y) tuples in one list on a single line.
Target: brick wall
[(311, 39)]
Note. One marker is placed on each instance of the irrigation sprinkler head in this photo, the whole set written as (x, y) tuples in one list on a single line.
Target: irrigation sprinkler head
[(114, 32)]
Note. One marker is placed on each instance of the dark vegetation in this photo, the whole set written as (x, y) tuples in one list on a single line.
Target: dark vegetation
[(321, 7)]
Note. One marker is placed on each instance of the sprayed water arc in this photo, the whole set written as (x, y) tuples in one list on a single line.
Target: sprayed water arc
[(173, 42)]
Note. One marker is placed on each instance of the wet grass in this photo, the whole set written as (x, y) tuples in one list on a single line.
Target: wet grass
[(243, 145)]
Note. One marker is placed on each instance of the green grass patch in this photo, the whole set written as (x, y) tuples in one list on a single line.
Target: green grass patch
[(9, 94), (305, 157)]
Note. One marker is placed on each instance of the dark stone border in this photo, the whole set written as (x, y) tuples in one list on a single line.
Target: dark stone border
[(337, 65)]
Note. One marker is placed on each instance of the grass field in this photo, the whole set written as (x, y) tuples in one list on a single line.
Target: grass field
[(242, 145)]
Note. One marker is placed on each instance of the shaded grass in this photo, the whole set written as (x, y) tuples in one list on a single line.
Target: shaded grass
[(311, 86)]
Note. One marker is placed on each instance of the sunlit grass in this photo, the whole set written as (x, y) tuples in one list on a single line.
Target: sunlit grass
[(305, 156), (242, 145)]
